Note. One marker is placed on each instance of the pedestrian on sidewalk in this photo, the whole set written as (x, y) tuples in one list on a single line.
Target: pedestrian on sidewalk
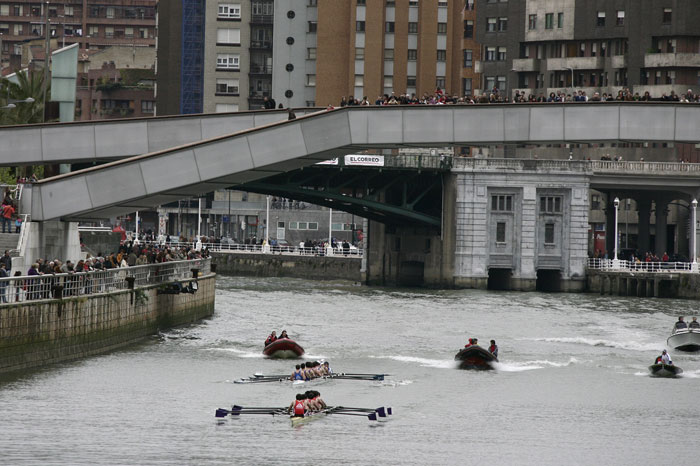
[(7, 213)]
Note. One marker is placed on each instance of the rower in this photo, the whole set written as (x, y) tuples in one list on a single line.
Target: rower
[(327, 368), (694, 323), (297, 375), (317, 369), (298, 406), (271, 338), (493, 349), (308, 373), (319, 400), (311, 403), (680, 325)]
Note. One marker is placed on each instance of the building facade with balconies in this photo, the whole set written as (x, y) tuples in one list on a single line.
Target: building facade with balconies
[(599, 46), (90, 23)]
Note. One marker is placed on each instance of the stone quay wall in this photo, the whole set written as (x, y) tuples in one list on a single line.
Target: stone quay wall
[(278, 265), (37, 333)]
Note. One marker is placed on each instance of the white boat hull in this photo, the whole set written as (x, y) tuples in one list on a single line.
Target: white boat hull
[(685, 340)]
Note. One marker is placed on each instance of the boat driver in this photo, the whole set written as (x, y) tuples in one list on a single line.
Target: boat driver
[(681, 325), (666, 358), (493, 349), (694, 323)]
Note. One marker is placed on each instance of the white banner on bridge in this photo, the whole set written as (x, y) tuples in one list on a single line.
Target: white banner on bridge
[(365, 160), (329, 162)]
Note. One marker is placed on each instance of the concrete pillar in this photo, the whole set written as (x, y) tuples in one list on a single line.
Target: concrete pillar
[(629, 287), (640, 287), (661, 222), (610, 226), (656, 288), (643, 240)]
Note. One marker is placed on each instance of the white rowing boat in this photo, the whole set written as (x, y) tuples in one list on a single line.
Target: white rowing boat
[(309, 417)]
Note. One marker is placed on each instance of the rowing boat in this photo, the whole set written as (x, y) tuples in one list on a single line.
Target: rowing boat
[(260, 378), (299, 420)]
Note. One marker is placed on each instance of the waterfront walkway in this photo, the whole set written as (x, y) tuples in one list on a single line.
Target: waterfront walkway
[(54, 286)]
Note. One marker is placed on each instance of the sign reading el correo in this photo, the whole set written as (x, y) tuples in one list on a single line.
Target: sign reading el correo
[(358, 160)]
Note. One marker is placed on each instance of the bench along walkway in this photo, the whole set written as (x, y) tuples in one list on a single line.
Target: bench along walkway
[(48, 286)]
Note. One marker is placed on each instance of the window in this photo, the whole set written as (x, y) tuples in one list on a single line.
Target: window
[(228, 36), (110, 12), (440, 82), (549, 21), (491, 24), (501, 54), (502, 24), (359, 53), (228, 61), (601, 19), (413, 28), (313, 25), (147, 106), (313, 226), (360, 26), (468, 61), (263, 8), (467, 86), (668, 15), (311, 80), (361, 2), (620, 18), (229, 11), (560, 20), (388, 54), (490, 53), (549, 233), (442, 28), (501, 232), (310, 3), (411, 81), (359, 80), (223, 108), (389, 26), (68, 10), (280, 224), (93, 31), (227, 86), (412, 54), (441, 55), (501, 82), (388, 82), (502, 203), (550, 204), (468, 29), (311, 53), (532, 22)]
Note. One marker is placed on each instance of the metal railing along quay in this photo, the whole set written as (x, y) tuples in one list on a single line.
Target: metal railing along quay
[(35, 287), (261, 249), (608, 265)]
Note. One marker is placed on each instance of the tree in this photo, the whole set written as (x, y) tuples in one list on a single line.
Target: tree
[(27, 85)]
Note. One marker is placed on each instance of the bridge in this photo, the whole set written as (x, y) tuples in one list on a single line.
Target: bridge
[(484, 214)]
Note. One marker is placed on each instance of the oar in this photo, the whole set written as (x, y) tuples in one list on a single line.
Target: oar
[(258, 380), (261, 376), (366, 375)]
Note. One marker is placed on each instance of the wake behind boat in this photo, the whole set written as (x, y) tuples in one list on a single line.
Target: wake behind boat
[(665, 370)]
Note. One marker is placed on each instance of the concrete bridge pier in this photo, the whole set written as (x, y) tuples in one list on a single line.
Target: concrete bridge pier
[(49, 240), (661, 223)]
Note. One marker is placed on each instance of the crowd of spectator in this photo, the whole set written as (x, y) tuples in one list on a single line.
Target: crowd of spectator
[(440, 97)]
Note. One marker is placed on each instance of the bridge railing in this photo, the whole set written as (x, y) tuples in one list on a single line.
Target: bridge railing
[(632, 266), (47, 286), (260, 249), (584, 166), (419, 161)]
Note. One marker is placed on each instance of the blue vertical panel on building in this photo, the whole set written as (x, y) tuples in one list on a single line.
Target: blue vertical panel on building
[(192, 69)]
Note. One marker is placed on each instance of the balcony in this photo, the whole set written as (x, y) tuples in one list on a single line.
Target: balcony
[(261, 45), (672, 60), (260, 69), (618, 61), (261, 19), (577, 63), (526, 65)]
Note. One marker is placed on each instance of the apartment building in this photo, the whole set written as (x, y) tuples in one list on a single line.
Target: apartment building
[(90, 23), (591, 45), (326, 50), (214, 56)]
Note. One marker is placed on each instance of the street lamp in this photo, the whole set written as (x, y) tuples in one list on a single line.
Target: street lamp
[(11, 102), (616, 262), (693, 237)]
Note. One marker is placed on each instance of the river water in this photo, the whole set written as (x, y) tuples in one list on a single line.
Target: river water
[(571, 388)]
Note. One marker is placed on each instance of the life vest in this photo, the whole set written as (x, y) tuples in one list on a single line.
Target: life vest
[(493, 349), (658, 360), (299, 409)]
